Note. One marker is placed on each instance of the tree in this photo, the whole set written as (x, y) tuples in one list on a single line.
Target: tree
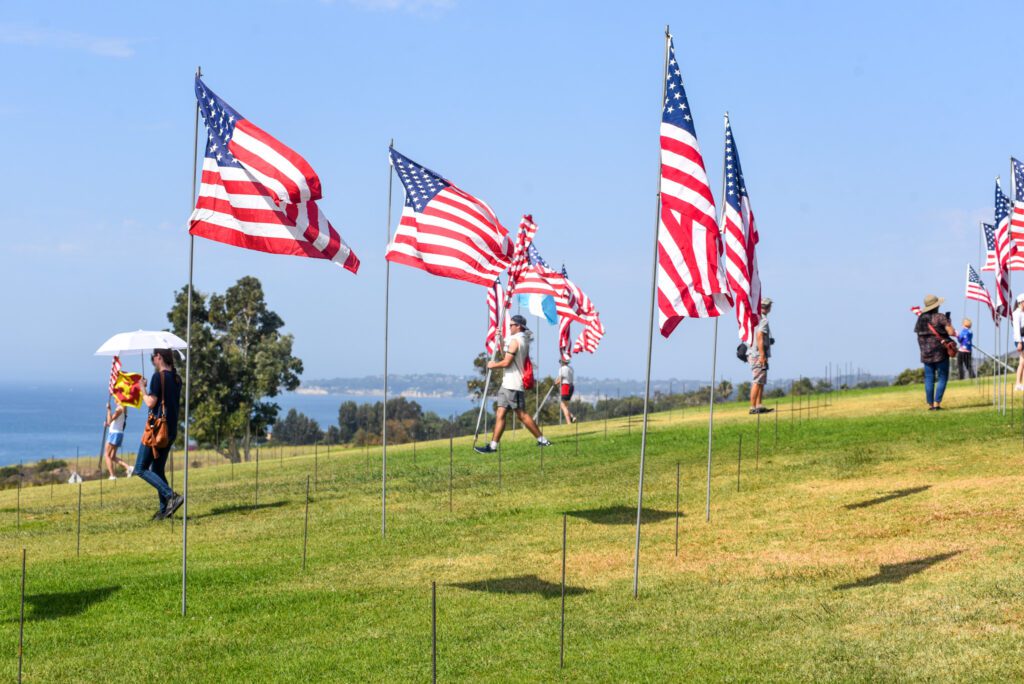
[(297, 428), (475, 386), (239, 360), (743, 392), (910, 376)]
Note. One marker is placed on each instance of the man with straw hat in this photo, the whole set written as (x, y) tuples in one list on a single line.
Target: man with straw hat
[(934, 331)]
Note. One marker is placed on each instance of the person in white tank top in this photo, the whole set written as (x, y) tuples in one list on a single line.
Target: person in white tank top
[(116, 422), (511, 395), (567, 389)]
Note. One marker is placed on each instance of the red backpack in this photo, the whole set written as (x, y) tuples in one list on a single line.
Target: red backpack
[(528, 379)]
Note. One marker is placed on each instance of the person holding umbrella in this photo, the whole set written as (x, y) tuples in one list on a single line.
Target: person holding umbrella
[(163, 396)]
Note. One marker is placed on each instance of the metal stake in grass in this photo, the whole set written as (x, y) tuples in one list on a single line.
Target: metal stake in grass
[(451, 458), (499, 465), (305, 527), (78, 548), (433, 632), (316, 467), (21, 620), (739, 462), (18, 514), (561, 654), (775, 441), (577, 424), (677, 509), (101, 490), (256, 501), (757, 444)]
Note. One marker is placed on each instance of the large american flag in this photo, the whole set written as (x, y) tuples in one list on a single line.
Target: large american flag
[(115, 369), (976, 290), (690, 279), (1017, 212), (741, 240), (990, 246), (593, 329), (539, 278), (446, 231), (257, 193), (1005, 250)]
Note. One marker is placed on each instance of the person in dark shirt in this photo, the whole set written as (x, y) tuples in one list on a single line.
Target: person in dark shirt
[(932, 329), (151, 461)]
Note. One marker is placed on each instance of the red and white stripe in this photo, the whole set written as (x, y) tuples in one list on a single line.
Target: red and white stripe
[(978, 293), (456, 236), (741, 238), (496, 305), (591, 336), (1016, 216), (1005, 250), (916, 310), (275, 165), (537, 279), (115, 369), (565, 338), (527, 230)]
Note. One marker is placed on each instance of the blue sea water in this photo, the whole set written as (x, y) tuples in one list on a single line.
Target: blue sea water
[(58, 421)]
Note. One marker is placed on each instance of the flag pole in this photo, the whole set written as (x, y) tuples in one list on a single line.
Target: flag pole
[(188, 365), (384, 411), (499, 333), (650, 344)]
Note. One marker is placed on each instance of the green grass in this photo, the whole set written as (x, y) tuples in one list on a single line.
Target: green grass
[(792, 580)]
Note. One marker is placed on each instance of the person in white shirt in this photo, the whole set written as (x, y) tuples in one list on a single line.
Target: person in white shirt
[(1018, 321), (116, 422), (512, 395), (567, 389)]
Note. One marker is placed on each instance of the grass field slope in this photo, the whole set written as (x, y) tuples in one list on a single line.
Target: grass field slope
[(870, 540)]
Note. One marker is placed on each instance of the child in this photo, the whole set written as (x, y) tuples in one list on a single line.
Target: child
[(963, 353), (115, 437)]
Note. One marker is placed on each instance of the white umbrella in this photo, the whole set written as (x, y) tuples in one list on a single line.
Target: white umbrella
[(140, 340)]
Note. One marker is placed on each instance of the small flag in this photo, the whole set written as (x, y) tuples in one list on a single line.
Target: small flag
[(446, 231), (916, 310), (990, 246), (1017, 213), (976, 290), (257, 193), (1005, 251), (495, 306), (126, 390), (115, 368)]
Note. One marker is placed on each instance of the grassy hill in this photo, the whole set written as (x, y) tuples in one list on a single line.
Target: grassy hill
[(875, 541)]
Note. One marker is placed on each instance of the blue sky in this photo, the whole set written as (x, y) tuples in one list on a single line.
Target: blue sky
[(870, 135)]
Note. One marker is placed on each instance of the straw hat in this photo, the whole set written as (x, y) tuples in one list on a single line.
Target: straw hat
[(931, 302)]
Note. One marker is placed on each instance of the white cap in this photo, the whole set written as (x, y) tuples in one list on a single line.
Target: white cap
[(1020, 298)]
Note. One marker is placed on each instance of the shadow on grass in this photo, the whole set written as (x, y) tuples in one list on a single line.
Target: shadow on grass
[(65, 603), (521, 584), (241, 508), (898, 494), (897, 572), (622, 515)]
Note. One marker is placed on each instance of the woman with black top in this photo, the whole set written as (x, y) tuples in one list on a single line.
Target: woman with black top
[(933, 329), (163, 394)]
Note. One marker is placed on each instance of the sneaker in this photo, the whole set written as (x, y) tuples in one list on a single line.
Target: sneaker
[(543, 441), (753, 411), (173, 505), (1019, 388), (572, 419), (112, 477), (131, 470), (158, 515), (485, 449)]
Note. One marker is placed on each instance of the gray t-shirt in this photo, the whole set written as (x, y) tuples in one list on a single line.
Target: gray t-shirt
[(513, 376), (762, 328), (565, 375)]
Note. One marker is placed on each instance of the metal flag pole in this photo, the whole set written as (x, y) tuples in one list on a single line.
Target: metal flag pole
[(541, 404), (650, 342), (384, 410), (188, 366), (487, 381), (977, 313)]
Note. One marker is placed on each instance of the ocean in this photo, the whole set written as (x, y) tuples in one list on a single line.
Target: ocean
[(59, 421)]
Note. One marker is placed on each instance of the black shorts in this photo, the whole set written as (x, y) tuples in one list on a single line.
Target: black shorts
[(567, 391)]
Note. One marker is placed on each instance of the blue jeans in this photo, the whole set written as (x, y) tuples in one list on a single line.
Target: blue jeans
[(150, 467), (935, 376)]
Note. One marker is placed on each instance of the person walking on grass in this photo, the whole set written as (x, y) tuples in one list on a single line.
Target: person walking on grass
[(758, 356), (567, 389), (1018, 322), (116, 423), (163, 395), (934, 331), (512, 395), (965, 346)]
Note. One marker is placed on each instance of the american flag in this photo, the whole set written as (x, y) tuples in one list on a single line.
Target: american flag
[(495, 304), (916, 310), (565, 338), (590, 337), (115, 368), (990, 246), (741, 240), (593, 329), (690, 279), (446, 231), (539, 278), (976, 290), (1005, 250), (257, 193), (1017, 213), (520, 260)]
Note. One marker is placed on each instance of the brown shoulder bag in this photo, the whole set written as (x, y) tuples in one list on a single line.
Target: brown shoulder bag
[(155, 435)]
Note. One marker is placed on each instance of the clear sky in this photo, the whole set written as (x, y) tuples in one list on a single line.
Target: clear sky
[(870, 134)]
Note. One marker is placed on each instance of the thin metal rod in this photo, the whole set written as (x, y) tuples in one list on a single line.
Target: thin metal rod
[(78, 547), (103, 438), (451, 459), (188, 365), (711, 421), (21, 620), (536, 414), (305, 527), (577, 424), (757, 444), (256, 500), (487, 381), (433, 632), (739, 462), (384, 408), (677, 509), (561, 654), (650, 342)]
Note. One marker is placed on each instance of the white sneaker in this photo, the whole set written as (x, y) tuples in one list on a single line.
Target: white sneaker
[(131, 470), (543, 441), (1019, 388), (112, 477)]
